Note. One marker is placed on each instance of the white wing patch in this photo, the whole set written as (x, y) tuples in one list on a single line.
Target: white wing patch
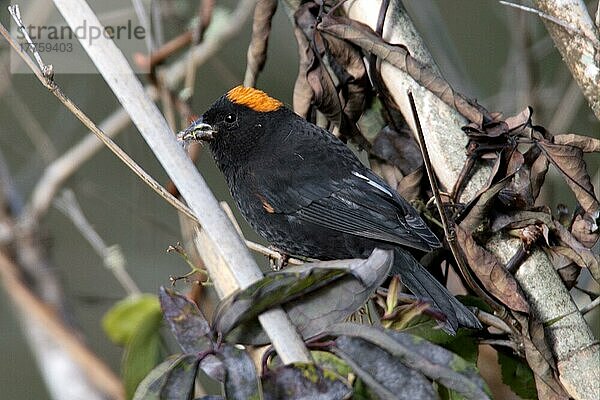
[(372, 183)]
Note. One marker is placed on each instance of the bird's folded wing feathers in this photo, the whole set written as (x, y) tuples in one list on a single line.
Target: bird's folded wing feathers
[(362, 205)]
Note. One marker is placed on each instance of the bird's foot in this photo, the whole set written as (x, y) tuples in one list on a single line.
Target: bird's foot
[(279, 261)]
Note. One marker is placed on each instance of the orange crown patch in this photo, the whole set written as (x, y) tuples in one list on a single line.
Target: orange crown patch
[(254, 99)]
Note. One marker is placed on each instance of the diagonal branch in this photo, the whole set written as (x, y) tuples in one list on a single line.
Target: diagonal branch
[(221, 239)]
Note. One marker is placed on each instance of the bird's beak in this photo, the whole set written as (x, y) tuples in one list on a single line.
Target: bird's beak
[(197, 131)]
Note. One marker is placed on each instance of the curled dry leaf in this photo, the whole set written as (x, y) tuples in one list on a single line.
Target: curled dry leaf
[(349, 68), (478, 210), (410, 186), (585, 143), (335, 73), (540, 359), (303, 93), (521, 219), (585, 229), (492, 274), (364, 37), (583, 256), (402, 162), (537, 175), (325, 96), (257, 51), (569, 162), (398, 148)]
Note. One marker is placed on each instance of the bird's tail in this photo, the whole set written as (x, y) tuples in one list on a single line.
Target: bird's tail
[(423, 285)]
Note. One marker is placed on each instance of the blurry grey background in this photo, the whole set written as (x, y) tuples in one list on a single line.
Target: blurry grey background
[(471, 40)]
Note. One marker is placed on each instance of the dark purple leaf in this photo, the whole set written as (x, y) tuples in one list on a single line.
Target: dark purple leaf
[(190, 328), (492, 274), (241, 382), (303, 382), (385, 375), (431, 360), (172, 379)]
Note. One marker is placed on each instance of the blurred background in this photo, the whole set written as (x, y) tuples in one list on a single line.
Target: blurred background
[(499, 55)]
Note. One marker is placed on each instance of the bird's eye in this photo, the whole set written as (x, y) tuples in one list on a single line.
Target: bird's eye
[(230, 118)]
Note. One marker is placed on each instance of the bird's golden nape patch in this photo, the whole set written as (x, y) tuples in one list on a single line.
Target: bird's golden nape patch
[(254, 99)]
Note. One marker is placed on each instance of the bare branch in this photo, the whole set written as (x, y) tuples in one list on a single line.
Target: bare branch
[(112, 256), (579, 52), (220, 240)]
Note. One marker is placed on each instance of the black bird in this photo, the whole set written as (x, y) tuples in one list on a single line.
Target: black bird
[(308, 195)]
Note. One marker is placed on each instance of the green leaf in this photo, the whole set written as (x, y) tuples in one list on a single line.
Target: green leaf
[(121, 322), (517, 375), (142, 352)]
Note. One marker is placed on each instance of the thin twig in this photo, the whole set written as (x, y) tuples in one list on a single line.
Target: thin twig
[(32, 127), (112, 256), (122, 155), (590, 306), (70, 161), (231, 263), (573, 29), (142, 15), (505, 343), (448, 228), (15, 12)]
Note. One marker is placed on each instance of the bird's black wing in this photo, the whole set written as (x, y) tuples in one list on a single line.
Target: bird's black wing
[(360, 204), (325, 184)]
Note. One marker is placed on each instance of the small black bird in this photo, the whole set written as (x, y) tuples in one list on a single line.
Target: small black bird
[(307, 194)]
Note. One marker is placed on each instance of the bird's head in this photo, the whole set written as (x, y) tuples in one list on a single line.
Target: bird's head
[(237, 116)]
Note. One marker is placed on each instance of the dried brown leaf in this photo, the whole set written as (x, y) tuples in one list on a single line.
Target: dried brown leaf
[(569, 162), (494, 277), (562, 260), (521, 219), (257, 50), (584, 256), (303, 93), (585, 143), (349, 68), (325, 96), (537, 175), (519, 121), (399, 149), (410, 186), (328, 99), (585, 229), (540, 360), (364, 37), (479, 208)]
